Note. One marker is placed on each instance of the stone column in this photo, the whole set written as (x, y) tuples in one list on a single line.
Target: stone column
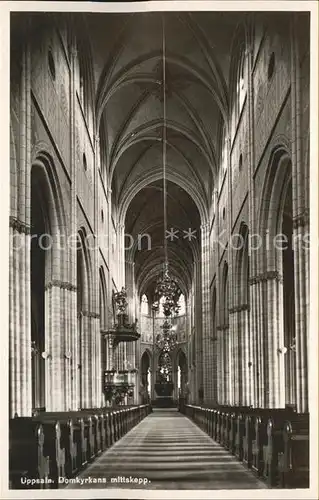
[(234, 352), (198, 330), (252, 366), (208, 382), (129, 278), (245, 396), (53, 347), (74, 334), (300, 224), (20, 277), (217, 333), (229, 330), (96, 319), (121, 254)]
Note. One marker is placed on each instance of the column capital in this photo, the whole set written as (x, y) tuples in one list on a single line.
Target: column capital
[(205, 226), (74, 52), (248, 50), (301, 220), (19, 225), (266, 276), (238, 308)]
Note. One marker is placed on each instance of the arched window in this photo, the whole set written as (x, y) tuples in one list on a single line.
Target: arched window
[(241, 87), (144, 305), (83, 83), (182, 305), (224, 155)]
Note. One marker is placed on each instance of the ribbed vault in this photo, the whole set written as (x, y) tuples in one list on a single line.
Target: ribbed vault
[(145, 217), (129, 111)]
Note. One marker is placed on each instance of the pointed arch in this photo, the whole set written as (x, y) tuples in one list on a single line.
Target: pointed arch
[(144, 305), (48, 267), (13, 175)]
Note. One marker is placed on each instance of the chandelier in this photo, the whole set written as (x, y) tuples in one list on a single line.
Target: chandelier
[(166, 286), (167, 340), (165, 370)]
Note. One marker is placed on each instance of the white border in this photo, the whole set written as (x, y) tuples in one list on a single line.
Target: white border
[(116, 7)]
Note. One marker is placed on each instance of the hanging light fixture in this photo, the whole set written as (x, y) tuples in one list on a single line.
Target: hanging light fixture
[(166, 340), (166, 286)]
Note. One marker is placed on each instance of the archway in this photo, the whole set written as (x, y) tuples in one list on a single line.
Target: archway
[(103, 325), (182, 374), (145, 380), (46, 273), (289, 300), (79, 297), (242, 348), (214, 352), (224, 344), (277, 265), (39, 225), (83, 320)]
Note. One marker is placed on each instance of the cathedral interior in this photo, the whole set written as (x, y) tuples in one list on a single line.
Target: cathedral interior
[(159, 267)]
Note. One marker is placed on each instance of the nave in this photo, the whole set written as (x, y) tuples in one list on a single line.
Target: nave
[(168, 451), (160, 249)]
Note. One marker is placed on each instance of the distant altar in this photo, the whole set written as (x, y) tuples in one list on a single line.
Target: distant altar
[(164, 394)]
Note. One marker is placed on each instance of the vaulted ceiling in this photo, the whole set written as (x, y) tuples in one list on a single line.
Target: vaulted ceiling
[(128, 65)]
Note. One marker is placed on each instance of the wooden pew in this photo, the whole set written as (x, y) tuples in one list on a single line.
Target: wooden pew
[(96, 421), (27, 458), (293, 461), (210, 421), (219, 425), (116, 425), (232, 432), (259, 420), (226, 440), (272, 449), (239, 434), (71, 448), (251, 451), (54, 450), (248, 440), (87, 436), (111, 428), (79, 444), (102, 424), (50, 445), (259, 440), (214, 423)]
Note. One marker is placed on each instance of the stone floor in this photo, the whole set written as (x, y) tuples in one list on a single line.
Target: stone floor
[(166, 451)]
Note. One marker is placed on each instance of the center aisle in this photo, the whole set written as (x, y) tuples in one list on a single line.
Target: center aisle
[(167, 451)]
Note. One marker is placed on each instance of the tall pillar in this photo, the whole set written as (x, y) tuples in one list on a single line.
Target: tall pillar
[(198, 382), (74, 334), (53, 348), (209, 384), (252, 368), (300, 224), (97, 396), (229, 327), (121, 255), (20, 277)]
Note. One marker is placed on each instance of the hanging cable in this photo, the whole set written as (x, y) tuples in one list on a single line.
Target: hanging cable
[(164, 144)]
